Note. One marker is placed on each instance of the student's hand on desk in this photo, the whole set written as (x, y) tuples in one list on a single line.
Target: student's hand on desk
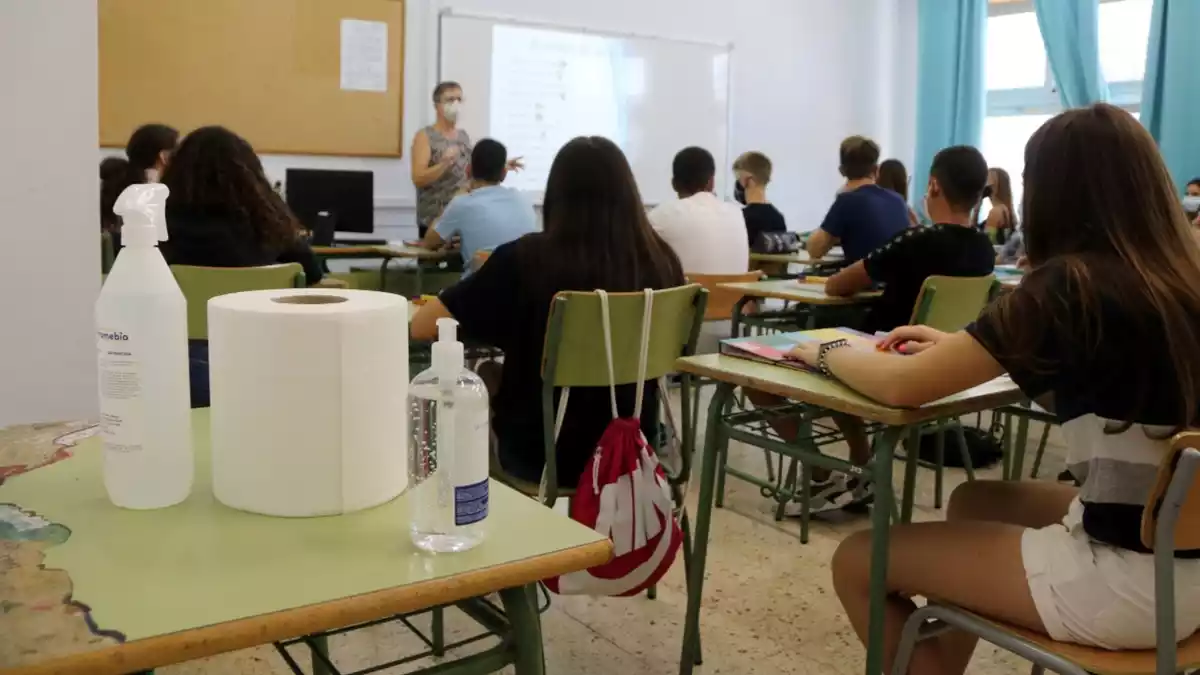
[(806, 352), (911, 339), (516, 164)]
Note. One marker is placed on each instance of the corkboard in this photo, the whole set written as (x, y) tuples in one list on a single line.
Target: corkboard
[(268, 69)]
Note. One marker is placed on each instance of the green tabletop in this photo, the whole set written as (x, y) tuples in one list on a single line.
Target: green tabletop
[(815, 389), (88, 587), (796, 291)]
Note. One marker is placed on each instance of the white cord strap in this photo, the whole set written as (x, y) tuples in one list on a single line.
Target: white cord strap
[(606, 322), (562, 411), (647, 315)]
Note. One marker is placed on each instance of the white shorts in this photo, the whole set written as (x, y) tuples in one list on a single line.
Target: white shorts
[(1097, 595)]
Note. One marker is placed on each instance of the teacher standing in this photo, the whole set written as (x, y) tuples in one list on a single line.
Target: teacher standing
[(440, 153)]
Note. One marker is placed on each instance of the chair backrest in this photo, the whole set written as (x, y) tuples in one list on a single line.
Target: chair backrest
[(951, 303), (107, 252), (573, 354), (1187, 524), (720, 301), (201, 284)]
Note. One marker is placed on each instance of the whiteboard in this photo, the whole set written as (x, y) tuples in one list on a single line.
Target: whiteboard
[(534, 87)]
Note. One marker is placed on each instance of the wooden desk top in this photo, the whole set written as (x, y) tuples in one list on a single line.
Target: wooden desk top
[(389, 251), (818, 390), (86, 587), (796, 291)]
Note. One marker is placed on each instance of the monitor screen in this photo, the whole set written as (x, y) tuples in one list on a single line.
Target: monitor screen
[(347, 196)]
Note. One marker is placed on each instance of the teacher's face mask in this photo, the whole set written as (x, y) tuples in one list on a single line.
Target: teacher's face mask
[(450, 110)]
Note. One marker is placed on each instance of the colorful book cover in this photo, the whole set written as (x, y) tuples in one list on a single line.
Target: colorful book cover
[(774, 348)]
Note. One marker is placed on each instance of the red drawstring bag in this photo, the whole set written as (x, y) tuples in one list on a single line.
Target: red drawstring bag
[(623, 494)]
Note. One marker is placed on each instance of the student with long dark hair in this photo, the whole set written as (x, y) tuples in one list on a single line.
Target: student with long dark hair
[(893, 176), (222, 211), (596, 236), (146, 156), (1105, 330)]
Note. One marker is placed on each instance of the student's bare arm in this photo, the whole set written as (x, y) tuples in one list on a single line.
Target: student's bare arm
[(819, 243), (953, 364), (422, 173), (424, 324), (849, 281)]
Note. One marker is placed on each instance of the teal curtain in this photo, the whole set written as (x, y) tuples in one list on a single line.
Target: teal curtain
[(1071, 31), (1171, 89), (950, 80)]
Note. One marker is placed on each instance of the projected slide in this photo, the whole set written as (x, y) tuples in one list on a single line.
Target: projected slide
[(549, 87)]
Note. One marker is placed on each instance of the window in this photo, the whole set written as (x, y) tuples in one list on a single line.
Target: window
[(1021, 94)]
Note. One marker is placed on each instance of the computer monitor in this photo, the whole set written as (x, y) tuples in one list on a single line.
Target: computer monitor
[(347, 197)]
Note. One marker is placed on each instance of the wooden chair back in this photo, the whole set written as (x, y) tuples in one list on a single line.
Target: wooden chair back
[(950, 303), (201, 284), (1187, 526), (720, 301)]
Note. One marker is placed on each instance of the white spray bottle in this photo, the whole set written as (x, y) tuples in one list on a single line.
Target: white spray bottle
[(141, 336)]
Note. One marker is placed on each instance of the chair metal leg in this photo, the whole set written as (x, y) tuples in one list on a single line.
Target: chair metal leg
[(1006, 464), (912, 452), (1041, 451), (1037, 670), (520, 606), (1022, 439), (652, 593), (939, 476), (968, 466), (724, 462)]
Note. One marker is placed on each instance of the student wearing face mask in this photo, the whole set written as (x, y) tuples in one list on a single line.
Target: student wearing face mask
[(1191, 201), (440, 154), (753, 172)]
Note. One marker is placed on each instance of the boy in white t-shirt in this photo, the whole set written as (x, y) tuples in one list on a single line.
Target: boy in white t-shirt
[(708, 235)]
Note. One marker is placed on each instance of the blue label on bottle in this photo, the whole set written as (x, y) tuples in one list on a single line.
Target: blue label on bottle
[(471, 503)]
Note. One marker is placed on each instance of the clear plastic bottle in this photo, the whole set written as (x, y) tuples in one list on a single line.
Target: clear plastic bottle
[(141, 339), (448, 493)]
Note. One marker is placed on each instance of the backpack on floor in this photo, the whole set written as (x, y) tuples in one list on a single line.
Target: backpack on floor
[(983, 447), (623, 494)]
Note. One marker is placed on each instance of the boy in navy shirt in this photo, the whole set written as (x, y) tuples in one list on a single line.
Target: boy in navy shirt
[(864, 216)]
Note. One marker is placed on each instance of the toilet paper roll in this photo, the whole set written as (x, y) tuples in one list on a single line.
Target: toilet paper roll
[(309, 400)]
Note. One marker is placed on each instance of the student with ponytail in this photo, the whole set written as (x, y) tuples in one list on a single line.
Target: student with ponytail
[(146, 156)]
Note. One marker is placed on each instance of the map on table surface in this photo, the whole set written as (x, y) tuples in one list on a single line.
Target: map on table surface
[(774, 348)]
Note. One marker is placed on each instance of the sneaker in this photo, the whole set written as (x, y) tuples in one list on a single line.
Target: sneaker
[(862, 495), (832, 494)]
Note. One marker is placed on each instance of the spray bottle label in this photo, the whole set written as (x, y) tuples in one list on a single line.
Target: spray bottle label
[(471, 459), (121, 415)]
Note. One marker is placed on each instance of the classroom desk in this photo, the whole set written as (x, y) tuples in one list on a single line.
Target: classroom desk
[(815, 390), (387, 253), (122, 591), (791, 290)]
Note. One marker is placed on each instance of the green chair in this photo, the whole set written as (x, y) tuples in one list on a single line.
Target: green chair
[(201, 284), (573, 356), (1170, 521), (948, 304), (107, 253)]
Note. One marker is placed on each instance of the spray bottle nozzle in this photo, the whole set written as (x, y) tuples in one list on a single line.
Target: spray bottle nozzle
[(447, 330), (143, 211)]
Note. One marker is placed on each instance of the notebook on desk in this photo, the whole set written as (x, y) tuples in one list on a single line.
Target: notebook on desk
[(774, 348)]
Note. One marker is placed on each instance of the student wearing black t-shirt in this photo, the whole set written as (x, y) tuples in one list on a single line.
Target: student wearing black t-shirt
[(596, 236), (753, 173), (1105, 329), (951, 247)]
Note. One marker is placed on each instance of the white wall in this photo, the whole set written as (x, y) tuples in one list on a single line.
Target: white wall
[(806, 73), (50, 258)]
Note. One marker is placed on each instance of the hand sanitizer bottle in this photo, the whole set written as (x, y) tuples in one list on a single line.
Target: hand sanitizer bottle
[(141, 338), (448, 497)]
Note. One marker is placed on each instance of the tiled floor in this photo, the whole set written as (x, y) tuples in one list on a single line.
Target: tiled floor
[(769, 606)]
